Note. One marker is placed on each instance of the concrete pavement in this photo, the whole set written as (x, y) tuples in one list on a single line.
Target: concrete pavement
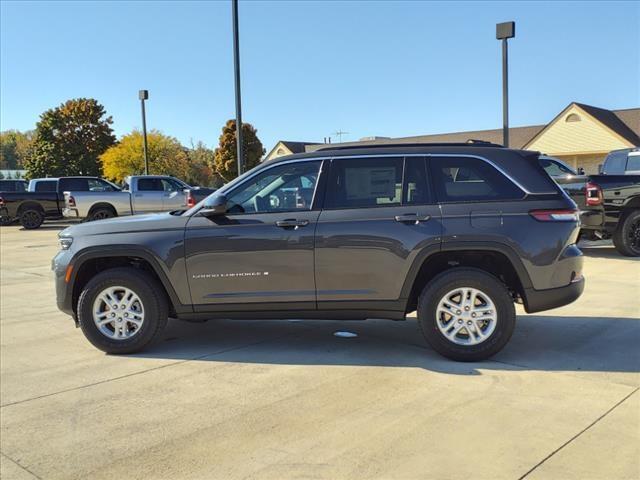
[(287, 399)]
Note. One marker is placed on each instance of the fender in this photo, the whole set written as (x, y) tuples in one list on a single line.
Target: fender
[(504, 249), (159, 268)]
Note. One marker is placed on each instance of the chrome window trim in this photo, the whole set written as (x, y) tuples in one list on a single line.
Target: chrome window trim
[(381, 155)]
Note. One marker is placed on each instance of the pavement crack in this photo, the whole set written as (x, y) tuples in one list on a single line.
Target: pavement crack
[(19, 465), (578, 434)]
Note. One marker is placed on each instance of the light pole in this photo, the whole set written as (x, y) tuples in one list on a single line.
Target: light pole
[(144, 95), (505, 31), (236, 67)]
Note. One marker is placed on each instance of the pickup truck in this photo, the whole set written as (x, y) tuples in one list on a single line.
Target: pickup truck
[(45, 199), (140, 194), (609, 202), (18, 185)]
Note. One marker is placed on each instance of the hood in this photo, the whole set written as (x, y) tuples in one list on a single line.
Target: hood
[(134, 223)]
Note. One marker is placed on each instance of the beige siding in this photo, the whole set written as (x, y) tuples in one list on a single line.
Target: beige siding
[(581, 137), (588, 162)]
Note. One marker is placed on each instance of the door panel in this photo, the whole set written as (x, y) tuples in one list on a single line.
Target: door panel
[(147, 202), (243, 259), (364, 252), (259, 254)]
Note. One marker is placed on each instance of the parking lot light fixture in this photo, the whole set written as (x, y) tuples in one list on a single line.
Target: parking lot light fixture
[(504, 31), (144, 95)]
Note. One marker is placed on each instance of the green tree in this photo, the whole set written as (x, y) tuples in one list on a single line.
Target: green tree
[(200, 161), (166, 156), (225, 157), (70, 139), (15, 148)]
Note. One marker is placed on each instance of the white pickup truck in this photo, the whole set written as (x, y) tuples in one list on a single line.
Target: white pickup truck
[(140, 194)]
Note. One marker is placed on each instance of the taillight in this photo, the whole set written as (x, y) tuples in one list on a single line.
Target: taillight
[(555, 215), (190, 200), (593, 194), (71, 201), (1, 202)]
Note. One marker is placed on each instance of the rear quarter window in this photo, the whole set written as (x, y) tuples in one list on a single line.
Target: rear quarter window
[(466, 179)]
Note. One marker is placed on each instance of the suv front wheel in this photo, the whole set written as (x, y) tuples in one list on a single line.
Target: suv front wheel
[(466, 314), (122, 310)]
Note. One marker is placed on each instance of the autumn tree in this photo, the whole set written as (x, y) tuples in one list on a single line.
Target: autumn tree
[(15, 148), (166, 156), (70, 139), (200, 162), (226, 158)]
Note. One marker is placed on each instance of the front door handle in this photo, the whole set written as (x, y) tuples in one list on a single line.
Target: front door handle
[(292, 223), (412, 217)]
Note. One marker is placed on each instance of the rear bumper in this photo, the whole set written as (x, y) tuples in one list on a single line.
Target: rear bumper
[(539, 300), (70, 213)]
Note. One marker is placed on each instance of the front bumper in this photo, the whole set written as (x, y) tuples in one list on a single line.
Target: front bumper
[(539, 300), (64, 290)]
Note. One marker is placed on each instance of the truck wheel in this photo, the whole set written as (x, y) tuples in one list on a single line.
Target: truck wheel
[(101, 214), (122, 310), (466, 314), (31, 218), (626, 238)]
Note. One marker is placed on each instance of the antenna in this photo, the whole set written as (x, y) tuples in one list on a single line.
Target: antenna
[(339, 134)]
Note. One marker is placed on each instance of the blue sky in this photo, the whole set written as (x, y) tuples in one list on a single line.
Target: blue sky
[(311, 68)]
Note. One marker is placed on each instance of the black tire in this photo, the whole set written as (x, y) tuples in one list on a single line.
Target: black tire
[(4, 221), (489, 286), (626, 238), (31, 218), (101, 213), (151, 295)]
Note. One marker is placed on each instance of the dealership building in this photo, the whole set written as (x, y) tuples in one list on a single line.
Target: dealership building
[(580, 134)]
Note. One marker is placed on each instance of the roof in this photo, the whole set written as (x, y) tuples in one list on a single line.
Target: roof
[(297, 147), (625, 123)]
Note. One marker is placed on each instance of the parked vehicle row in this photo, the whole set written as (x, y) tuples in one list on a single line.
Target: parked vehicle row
[(457, 232), (609, 202), (93, 198)]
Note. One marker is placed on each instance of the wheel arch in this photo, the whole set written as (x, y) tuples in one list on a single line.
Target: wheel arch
[(105, 205), (494, 258), (28, 205), (92, 260)]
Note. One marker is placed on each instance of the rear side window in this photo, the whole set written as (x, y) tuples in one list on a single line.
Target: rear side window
[(615, 163), (465, 179), (74, 185), (366, 182), (150, 185), (47, 186), (633, 164)]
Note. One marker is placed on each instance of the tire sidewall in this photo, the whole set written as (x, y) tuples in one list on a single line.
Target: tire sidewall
[(32, 226), (490, 286), (621, 240), (145, 287), (108, 211)]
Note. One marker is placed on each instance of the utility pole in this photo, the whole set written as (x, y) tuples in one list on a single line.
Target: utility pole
[(339, 134), (144, 95), (236, 67), (505, 31)]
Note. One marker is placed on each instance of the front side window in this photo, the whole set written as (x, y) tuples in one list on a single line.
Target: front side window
[(98, 185), (171, 185), (283, 188), (464, 179)]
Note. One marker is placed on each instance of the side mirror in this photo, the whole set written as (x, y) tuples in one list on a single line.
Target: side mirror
[(215, 206)]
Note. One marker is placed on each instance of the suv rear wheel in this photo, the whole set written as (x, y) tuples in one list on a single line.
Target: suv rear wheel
[(122, 310), (466, 314), (626, 238)]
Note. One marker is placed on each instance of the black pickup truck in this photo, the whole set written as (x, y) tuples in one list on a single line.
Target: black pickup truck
[(44, 200), (609, 202)]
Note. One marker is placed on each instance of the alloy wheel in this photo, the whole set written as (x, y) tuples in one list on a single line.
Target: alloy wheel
[(118, 313), (466, 316)]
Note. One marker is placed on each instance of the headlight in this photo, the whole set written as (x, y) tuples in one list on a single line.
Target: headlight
[(65, 242)]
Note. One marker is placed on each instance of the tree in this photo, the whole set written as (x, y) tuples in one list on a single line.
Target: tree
[(15, 148), (225, 156), (70, 139), (166, 156), (200, 162)]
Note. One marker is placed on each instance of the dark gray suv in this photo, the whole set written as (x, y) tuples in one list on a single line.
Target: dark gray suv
[(458, 232)]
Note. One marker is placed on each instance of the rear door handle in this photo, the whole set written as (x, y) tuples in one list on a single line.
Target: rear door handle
[(412, 217), (292, 223)]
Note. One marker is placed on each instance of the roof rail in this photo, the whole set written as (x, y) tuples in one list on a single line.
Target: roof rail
[(468, 143)]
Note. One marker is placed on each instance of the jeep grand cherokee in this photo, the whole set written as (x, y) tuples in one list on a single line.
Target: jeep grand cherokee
[(458, 232)]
